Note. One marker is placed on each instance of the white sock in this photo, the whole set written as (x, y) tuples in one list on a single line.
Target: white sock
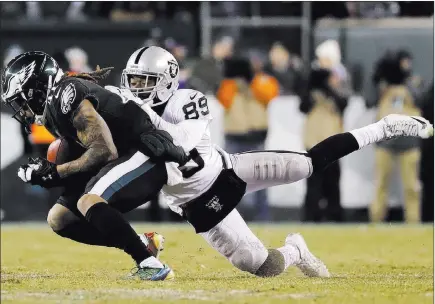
[(370, 134), (291, 255), (151, 262)]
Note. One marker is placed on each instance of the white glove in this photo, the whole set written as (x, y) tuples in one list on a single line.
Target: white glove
[(25, 172)]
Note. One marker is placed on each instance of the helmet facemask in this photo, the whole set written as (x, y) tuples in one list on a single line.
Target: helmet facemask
[(26, 109), (143, 85)]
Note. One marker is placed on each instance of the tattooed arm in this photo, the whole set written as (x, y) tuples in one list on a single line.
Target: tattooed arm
[(94, 134)]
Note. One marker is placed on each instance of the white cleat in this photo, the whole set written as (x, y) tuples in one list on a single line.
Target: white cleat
[(396, 125), (309, 264)]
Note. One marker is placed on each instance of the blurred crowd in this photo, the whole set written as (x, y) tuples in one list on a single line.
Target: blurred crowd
[(400, 90), (79, 11)]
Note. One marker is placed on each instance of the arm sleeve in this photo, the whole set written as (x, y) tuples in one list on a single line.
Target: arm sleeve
[(187, 133)]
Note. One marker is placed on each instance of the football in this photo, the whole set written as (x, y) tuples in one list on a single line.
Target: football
[(63, 150)]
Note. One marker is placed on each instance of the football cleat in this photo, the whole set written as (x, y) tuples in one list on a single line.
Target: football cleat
[(152, 269), (308, 264), (396, 125), (154, 242)]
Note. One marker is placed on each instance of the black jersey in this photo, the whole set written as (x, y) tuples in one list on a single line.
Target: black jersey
[(126, 120)]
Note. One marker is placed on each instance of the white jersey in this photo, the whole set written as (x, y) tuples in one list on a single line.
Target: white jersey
[(183, 105)]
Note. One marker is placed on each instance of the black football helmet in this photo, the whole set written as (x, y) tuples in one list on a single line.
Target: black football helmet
[(25, 84)]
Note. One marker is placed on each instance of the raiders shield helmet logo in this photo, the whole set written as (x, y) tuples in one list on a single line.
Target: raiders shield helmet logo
[(173, 69)]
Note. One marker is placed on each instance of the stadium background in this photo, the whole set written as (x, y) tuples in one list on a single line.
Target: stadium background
[(195, 26)]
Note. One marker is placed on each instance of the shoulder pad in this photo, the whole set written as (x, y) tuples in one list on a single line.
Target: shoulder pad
[(187, 94)]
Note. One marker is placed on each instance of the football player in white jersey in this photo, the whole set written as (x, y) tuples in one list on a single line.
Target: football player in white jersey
[(213, 182)]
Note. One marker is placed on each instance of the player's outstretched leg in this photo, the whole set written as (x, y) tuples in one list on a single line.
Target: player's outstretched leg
[(264, 169), (111, 224), (392, 126), (234, 240)]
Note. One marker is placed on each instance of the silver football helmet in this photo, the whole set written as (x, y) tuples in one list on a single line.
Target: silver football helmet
[(151, 74)]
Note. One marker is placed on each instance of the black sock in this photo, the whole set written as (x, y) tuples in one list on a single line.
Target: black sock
[(83, 232), (332, 149), (111, 224)]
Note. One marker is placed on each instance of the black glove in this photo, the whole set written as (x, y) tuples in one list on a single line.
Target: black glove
[(159, 146), (41, 172)]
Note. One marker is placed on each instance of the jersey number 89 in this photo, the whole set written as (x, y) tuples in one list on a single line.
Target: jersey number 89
[(190, 110)]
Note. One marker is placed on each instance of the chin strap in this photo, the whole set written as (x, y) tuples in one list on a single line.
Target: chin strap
[(40, 119)]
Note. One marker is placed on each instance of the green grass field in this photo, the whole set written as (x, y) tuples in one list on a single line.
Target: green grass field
[(369, 264)]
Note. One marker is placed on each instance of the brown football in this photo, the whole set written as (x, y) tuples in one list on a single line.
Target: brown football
[(62, 150)]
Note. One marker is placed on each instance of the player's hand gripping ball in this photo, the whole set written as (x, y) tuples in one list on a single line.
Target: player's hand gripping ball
[(59, 152), (41, 172)]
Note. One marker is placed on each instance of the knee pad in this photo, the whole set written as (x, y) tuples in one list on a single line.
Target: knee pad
[(244, 254), (298, 167), (248, 257), (273, 265)]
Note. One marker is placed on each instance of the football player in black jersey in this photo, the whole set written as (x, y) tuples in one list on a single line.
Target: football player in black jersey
[(124, 154)]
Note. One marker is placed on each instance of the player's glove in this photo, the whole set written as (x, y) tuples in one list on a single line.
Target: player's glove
[(158, 145), (41, 172)]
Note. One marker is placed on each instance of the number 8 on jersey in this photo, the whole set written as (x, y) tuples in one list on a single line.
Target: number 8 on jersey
[(192, 109)]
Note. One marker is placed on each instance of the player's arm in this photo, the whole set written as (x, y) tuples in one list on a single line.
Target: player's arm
[(95, 135), (187, 133)]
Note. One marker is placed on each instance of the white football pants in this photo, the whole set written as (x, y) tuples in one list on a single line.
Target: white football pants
[(232, 236)]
